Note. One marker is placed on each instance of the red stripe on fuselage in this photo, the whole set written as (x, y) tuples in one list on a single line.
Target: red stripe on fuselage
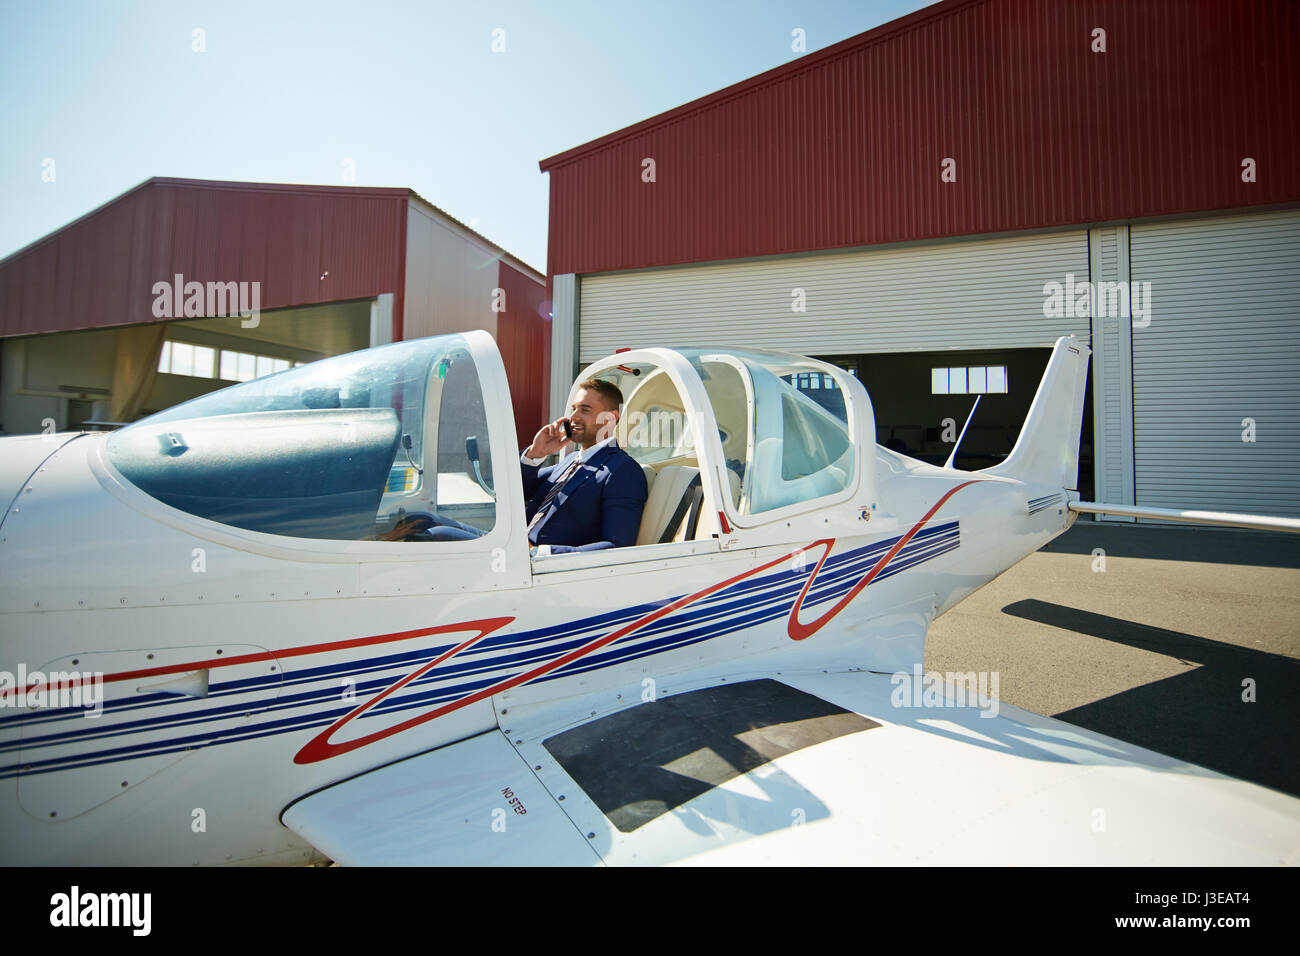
[(798, 630), (214, 662), (320, 748)]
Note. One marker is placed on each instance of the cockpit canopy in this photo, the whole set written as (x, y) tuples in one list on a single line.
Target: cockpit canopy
[(338, 449), (782, 420), (366, 445)]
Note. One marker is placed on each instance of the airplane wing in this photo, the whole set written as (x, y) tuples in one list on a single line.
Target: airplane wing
[(1227, 519), (796, 768)]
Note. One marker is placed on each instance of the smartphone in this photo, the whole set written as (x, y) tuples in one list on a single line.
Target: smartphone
[(568, 429)]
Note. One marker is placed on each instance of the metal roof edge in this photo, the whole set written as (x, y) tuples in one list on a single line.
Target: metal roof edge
[(390, 192)]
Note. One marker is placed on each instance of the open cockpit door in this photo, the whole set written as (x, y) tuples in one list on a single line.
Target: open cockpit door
[(806, 425), (798, 441)]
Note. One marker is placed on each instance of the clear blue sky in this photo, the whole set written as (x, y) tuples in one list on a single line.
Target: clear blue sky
[(412, 93)]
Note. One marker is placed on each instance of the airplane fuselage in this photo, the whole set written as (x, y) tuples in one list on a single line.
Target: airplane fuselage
[(285, 669)]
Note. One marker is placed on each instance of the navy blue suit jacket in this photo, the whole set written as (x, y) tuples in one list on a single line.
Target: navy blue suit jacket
[(600, 506)]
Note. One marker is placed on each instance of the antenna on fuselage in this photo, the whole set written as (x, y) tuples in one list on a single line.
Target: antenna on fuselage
[(953, 457)]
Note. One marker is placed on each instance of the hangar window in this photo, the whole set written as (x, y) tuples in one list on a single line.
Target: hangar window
[(244, 367), (969, 380), (183, 358), (201, 361), (359, 446)]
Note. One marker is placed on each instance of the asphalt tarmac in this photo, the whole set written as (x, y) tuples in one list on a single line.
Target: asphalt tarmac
[(1158, 644)]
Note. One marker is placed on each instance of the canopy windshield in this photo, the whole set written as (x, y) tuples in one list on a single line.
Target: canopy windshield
[(342, 448)]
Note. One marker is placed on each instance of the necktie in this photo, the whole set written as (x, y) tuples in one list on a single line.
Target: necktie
[(540, 515)]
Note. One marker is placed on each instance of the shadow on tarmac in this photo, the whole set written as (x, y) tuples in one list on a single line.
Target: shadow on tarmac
[(1198, 716), (1214, 545)]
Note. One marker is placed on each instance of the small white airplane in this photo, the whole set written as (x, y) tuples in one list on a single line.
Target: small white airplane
[(223, 639)]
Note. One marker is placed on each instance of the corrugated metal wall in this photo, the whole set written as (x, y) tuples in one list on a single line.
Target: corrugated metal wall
[(844, 147), (524, 338), (450, 275), (1216, 375), (304, 244), (978, 294), (564, 341), (1112, 370)]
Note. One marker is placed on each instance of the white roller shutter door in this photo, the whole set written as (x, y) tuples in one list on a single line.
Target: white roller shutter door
[(973, 294), (1112, 369), (1219, 356)]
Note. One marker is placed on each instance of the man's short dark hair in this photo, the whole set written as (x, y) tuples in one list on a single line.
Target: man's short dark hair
[(607, 390)]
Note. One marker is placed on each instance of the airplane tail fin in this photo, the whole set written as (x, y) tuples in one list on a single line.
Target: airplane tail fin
[(1047, 451)]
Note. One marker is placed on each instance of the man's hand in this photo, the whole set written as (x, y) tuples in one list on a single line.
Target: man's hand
[(548, 441)]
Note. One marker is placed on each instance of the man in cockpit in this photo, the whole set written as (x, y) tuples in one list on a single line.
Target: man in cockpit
[(591, 498)]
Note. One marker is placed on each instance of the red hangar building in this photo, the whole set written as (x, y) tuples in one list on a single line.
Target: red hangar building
[(932, 203), (147, 301)]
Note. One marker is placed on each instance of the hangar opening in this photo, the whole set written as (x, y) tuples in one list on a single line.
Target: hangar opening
[(923, 399), (198, 356), (96, 378)]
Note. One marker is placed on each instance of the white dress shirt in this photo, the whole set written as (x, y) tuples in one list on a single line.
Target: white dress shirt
[(583, 455)]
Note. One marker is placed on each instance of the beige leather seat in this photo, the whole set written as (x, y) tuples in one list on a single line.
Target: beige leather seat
[(669, 486)]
